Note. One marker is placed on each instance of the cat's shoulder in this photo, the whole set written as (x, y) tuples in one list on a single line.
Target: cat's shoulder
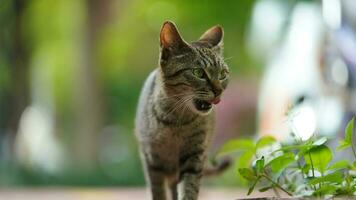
[(150, 81), (148, 85)]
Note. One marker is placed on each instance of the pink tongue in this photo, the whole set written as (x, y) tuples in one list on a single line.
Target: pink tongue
[(216, 101)]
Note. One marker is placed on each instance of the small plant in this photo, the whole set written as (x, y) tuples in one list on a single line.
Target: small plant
[(301, 169)]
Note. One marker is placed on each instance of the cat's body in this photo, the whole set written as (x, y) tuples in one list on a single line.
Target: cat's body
[(167, 141), (175, 121)]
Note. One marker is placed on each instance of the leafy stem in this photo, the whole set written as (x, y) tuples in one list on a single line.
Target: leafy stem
[(301, 168), (337, 179), (276, 184), (312, 168), (276, 192), (353, 149), (273, 186)]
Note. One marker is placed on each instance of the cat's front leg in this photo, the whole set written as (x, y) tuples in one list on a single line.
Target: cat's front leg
[(189, 187), (156, 179), (191, 173)]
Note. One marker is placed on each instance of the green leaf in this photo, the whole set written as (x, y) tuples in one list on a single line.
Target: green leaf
[(264, 189), (349, 130), (306, 168), (281, 162), (320, 156), (260, 164), (237, 145), (343, 145), (326, 190), (335, 177), (265, 141), (248, 174), (289, 148), (307, 146), (250, 190), (342, 164), (308, 143), (320, 141), (245, 159), (302, 152)]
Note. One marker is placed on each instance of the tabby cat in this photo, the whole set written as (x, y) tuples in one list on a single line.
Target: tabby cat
[(175, 117)]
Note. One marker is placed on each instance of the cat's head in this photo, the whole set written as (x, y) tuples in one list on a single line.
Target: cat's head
[(195, 73)]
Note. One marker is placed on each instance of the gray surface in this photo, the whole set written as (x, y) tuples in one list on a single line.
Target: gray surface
[(110, 194)]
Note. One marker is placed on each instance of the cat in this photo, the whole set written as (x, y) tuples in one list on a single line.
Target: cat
[(175, 114)]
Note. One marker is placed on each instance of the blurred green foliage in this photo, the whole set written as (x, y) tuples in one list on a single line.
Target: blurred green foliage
[(123, 50)]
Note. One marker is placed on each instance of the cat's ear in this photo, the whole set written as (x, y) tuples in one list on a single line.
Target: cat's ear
[(170, 37), (171, 43), (214, 36)]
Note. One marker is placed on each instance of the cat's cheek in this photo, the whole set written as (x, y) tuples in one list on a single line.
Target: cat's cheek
[(191, 106)]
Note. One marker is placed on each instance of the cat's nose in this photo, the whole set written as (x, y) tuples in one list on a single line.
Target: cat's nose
[(217, 91)]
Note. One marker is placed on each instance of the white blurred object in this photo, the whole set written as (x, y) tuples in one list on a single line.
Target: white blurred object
[(339, 73), (332, 13), (268, 18), (330, 112), (303, 121), (269, 152), (320, 115), (35, 143), (294, 73)]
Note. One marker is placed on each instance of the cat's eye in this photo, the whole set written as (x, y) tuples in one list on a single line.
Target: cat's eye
[(198, 72), (223, 75)]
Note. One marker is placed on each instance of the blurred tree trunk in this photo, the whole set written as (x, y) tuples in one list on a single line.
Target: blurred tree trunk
[(19, 85), (89, 97)]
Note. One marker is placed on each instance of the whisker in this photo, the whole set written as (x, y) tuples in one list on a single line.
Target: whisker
[(228, 58), (181, 116), (182, 102), (184, 109), (203, 92), (176, 105), (177, 95), (173, 106)]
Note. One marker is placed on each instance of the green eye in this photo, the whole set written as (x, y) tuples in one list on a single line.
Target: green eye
[(198, 72), (223, 75)]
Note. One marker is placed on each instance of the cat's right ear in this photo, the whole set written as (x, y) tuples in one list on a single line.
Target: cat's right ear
[(170, 40), (214, 36)]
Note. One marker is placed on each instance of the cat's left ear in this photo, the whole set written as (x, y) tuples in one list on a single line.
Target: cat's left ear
[(214, 36)]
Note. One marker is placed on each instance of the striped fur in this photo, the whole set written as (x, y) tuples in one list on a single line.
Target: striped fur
[(173, 134)]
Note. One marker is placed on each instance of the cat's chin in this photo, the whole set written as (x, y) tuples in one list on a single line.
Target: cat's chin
[(203, 113), (201, 107)]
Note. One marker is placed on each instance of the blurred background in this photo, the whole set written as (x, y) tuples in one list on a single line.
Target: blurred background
[(71, 73)]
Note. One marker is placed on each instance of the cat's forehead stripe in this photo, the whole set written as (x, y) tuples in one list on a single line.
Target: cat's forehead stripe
[(203, 62), (203, 57), (207, 58)]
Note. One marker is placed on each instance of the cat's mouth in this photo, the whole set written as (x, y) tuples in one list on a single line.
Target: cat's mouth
[(202, 105)]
